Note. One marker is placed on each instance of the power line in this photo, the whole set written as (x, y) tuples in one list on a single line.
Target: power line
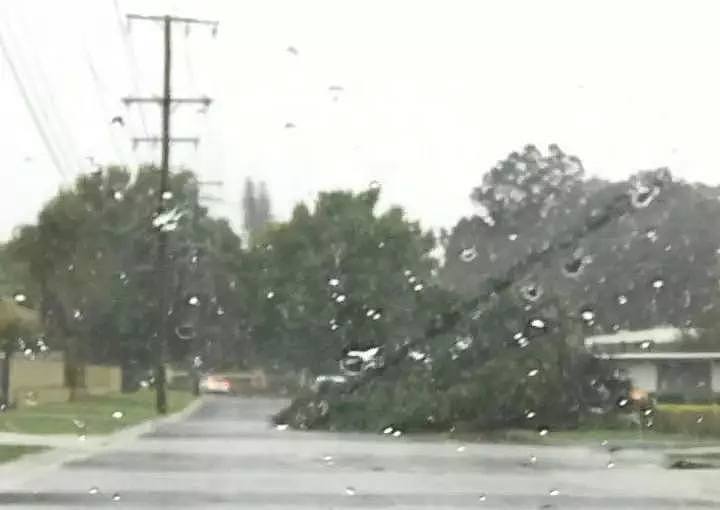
[(131, 61), (46, 138)]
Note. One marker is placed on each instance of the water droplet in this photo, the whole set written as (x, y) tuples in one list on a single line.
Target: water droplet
[(604, 442), (116, 497), (118, 195), (374, 185), (28, 353), (642, 196), (407, 272), (397, 433), (412, 279), (512, 237), (350, 490), (622, 402), (530, 415), (523, 342), (341, 298), (388, 430), (20, 297), (482, 497), (554, 492), (533, 372), (460, 449), (651, 234), (333, 326), (117, 415), (144, 384), (82, 437), (543, 431), (645, 345), (281, 426), (77, 315), (193, 301), (270, 295), (699, 419), (531, 292), (658, 283), (468, 254), (333, 282), (537, 323), (370, 312), (622, 299), (533, 459), (648, 412), (381, 244), (574, 267), (377, 316), (610, 464), (93, 491), (418, 287), (220, 311), (587, 315), (167, 195)]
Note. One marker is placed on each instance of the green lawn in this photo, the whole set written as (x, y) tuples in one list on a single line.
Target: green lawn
[(90, 415), (13, 451)]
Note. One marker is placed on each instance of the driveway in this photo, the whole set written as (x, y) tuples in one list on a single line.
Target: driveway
[(226, 455)]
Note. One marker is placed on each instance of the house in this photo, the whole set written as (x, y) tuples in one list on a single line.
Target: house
[(653, 360)]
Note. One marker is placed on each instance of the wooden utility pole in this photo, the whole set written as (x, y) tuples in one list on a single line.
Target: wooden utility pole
[(159, 340)]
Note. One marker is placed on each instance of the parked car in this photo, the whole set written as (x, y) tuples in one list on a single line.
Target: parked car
[(211, 383)]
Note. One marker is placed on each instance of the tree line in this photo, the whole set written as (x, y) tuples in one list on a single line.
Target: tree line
[(487, 334)]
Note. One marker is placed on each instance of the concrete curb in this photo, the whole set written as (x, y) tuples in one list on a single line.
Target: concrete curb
[(71, 449)]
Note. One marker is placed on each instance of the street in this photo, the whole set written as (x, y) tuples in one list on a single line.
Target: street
[(226, 455)]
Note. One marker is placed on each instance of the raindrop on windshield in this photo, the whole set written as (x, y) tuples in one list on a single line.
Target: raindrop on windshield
[(468, 254), (387, 430), (482, 497), (93, 491), (622, 299), (117, 415), (116, 497), (118, 195), (642, 196), (622, 402), (645, 345), (554, 492), (537, 323), (512, 237), (350, 490), (530, 415), (333, 282), (397, 433), (587, 315), (533, 372), (374, 185), (341, 298), (531, 292), (77, 315), (377, 316), (658, 283), (193, 301), (167, 195), (543, 431), (460, 449), (220, 311), (20, 297), (418, 287), (270, 295)]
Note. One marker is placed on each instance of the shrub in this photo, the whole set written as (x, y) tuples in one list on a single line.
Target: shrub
[(693, 420)]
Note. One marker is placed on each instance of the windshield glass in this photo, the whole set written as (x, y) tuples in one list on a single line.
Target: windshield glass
[(359, 254)]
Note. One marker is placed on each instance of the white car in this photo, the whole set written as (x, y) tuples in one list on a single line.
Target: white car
[(215, 384)]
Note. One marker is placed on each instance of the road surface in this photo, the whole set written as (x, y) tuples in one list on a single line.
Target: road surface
[(226, 455)]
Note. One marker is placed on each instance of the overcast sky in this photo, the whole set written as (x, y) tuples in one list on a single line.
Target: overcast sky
[(435, 92)]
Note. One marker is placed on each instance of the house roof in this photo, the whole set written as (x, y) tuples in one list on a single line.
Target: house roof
[(648, 356)]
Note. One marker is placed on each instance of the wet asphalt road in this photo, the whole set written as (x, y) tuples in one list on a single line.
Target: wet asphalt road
[(226, 455)]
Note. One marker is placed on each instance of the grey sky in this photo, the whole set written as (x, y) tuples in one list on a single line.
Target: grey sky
[(435, 93)]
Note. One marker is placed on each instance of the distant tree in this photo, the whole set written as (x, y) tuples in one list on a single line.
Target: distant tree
[(256, 208), (264, 209)]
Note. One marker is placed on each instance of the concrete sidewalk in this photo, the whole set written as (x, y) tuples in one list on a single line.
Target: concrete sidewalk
[(69, 447)]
